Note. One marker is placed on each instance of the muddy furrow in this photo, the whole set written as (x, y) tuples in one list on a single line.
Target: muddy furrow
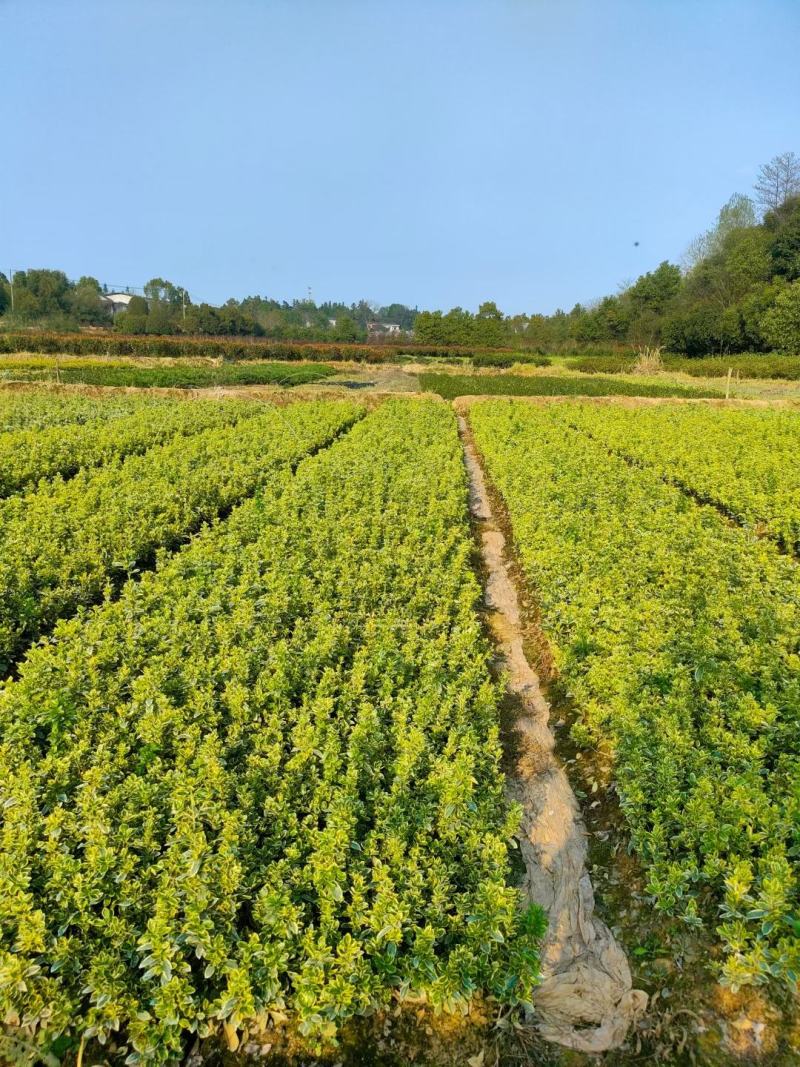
[(586, 1000)]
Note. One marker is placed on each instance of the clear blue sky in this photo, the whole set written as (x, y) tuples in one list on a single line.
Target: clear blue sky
[(436, 153)]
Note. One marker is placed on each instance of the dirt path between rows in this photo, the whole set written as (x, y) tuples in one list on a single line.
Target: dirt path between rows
[(586, 1000)]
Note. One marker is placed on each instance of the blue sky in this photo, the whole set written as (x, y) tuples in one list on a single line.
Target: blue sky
[(437, 153)]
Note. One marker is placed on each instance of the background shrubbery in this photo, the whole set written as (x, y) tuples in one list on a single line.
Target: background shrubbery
[(181, 375), (508, 359), (239, 348), (450, 386), (746, 365)]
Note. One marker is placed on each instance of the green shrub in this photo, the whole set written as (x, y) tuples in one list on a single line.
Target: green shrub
[(615, 364), (227, 348), (266, 780), (746, 366), (168, 376), (508, 359), (452, 385), (675, 634)]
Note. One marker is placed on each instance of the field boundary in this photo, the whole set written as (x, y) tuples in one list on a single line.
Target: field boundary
[(586, 1000), (462, 403)]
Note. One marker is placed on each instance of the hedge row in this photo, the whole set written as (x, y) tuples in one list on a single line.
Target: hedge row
[(753, 365), (450, 386), (747, 366), (101, 344), (162, 375), (63, 545), (508, 359)]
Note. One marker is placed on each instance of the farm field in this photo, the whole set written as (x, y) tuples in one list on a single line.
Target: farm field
[(63, 543), (449, 376), (292, 729), (257, 747), (757, 365), (675, 637)]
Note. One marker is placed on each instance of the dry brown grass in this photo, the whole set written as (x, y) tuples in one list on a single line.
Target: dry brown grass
[(648, 360)]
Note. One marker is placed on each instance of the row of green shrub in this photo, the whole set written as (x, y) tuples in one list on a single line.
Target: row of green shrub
[(167, 376), (450, 386), (508, 359), (239, 348), (750, 365), (747, 365)]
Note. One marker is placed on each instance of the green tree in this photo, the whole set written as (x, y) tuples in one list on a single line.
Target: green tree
[(781, 323), (654, 292), (737, 213), (86, 303), (134, 319), (646, 302), (159, 291), (609, 321), (784, 248), (699, 331), (752, 310), (346, 329), (41, 293), (202, 319), (429, 328), (489, 326), (166, 302)]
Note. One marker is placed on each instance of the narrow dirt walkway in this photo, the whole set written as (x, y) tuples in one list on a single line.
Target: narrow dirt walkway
[(586, 1000)]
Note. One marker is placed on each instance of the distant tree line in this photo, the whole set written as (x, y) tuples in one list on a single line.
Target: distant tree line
[(738, 290), (49, 299)]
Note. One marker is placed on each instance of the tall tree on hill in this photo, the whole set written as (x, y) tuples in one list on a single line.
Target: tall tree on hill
[(736, 214), (784, 226), (778, 180)]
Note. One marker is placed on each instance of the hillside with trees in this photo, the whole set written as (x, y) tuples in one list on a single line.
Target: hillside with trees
[(738, 290)]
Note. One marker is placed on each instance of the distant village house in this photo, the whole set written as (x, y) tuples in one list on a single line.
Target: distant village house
[(376, 330), (117, 301)]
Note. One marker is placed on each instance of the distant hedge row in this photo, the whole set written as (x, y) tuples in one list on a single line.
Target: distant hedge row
[(163, 375), (508, 359), (752, 365), (747, 366), (100, 344), (450, 386)]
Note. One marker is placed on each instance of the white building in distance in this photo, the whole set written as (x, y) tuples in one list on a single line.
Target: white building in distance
[(117, 301)]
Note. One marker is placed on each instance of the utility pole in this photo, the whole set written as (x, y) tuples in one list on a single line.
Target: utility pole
[(11, 287), (183, 303)]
